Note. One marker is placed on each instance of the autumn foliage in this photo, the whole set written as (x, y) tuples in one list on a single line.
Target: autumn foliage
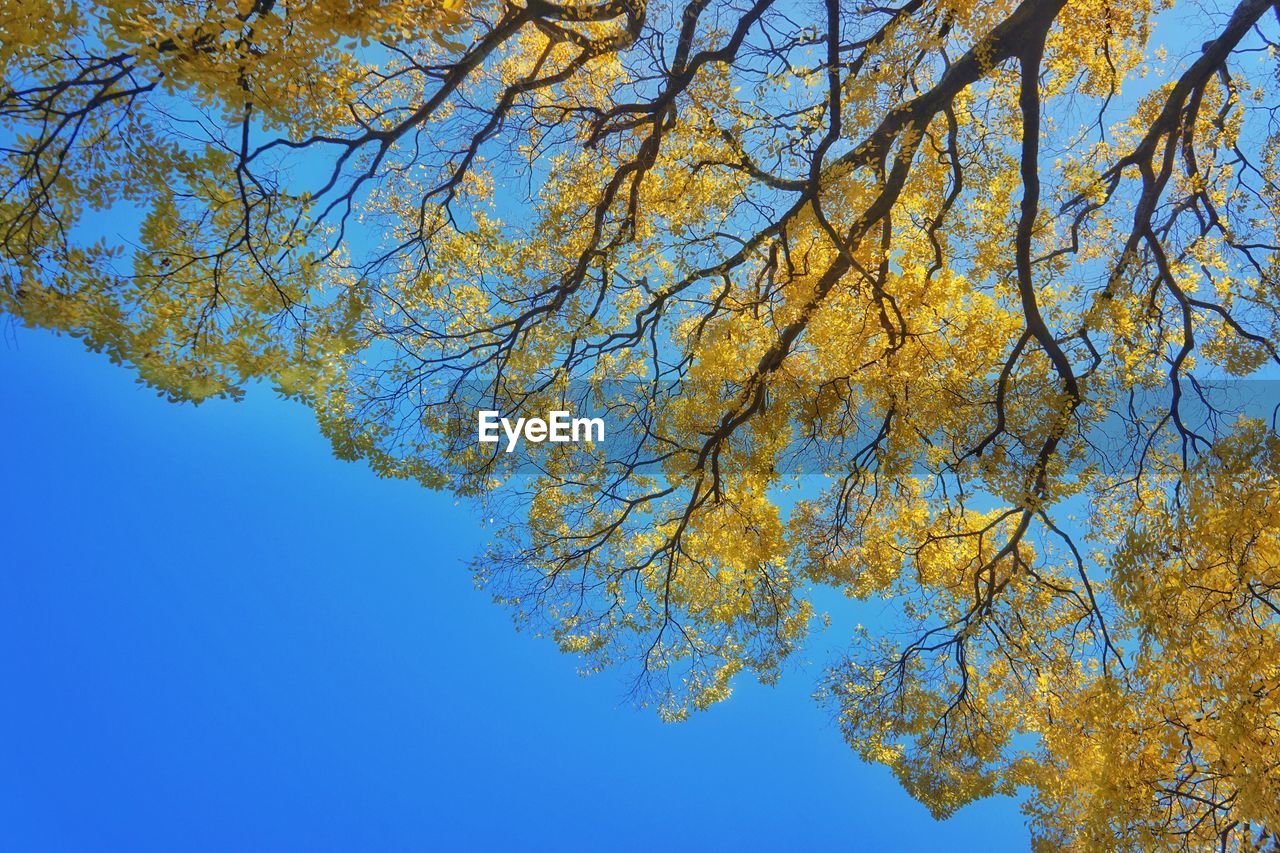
[(954, 306)]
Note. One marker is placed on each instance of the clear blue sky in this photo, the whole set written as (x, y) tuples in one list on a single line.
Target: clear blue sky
[(214, 636)]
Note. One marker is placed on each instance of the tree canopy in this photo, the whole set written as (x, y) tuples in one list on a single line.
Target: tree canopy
[(946, 305)]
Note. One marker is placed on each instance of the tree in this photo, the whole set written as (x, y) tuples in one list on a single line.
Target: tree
[(999, 271)]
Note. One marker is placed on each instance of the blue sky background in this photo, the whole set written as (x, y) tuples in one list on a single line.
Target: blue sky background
[(215, 636)]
